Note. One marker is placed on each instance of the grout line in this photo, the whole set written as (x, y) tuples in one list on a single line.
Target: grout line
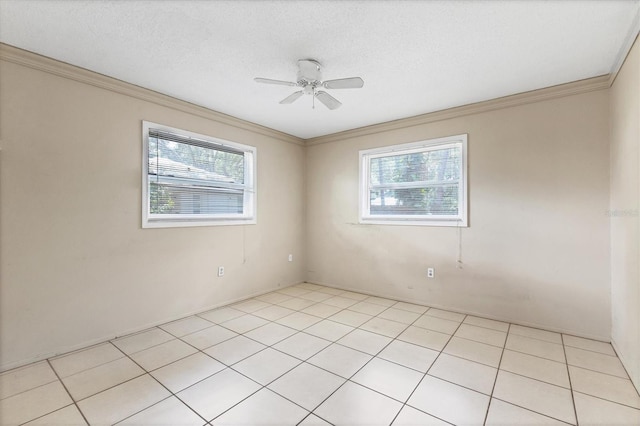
[(33, 388), (592, 351), (214, 322), (608, 400), (495, 381), (225, 366), (555, 343), (431, 311), (238, 372), (26, 422), (534, 338), (356, 372), (313, 414), (534, 378), (422, 411), (573, 401), (532, 411), (241, 359), (191, 332), (80, 351), (152, 405), (624, 367), (136, 333), (457, 385), (486, 328), (172, 362), (468, 359), (74, 352), (93, 368), (234, 405), (130, 357), (578, 337), (113, 386), (185, 357), (260, 384), (427, 372), (537, 380), (478, 341), (68, 393), (161, 384), (194, 316), (141, 332), (535, 356), (600, 372)]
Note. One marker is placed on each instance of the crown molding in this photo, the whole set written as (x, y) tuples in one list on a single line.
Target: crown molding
[(553, 92), (41, 63), (32, 60)]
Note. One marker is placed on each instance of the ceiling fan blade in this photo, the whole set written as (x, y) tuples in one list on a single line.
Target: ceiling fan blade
[(292, 97), (344, 83), (270, 81), (328, 100)]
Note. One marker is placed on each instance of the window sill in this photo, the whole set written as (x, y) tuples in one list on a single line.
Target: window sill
[(192, 223), (424, 222)]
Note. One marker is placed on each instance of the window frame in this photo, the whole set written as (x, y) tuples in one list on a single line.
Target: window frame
[(364, 205), (249, 217)]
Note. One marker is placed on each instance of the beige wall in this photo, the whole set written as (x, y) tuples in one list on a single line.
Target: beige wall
[(625, 222), (537, 249), (76, 266)]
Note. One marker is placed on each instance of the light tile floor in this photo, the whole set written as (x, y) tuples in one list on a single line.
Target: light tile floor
[(314, 355)]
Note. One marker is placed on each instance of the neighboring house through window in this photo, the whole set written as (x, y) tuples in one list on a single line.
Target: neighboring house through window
[(195, 180), (421, 183)]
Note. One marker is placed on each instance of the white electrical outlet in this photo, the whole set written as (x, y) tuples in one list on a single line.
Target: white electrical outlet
[(431, 272), (290, 258), (220, 271)]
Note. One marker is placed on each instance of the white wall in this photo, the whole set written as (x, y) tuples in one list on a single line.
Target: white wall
[(537, 249), (76, 267), (625, 220)]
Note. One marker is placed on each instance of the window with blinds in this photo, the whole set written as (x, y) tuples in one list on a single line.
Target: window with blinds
[(195, 180), (422, 183)]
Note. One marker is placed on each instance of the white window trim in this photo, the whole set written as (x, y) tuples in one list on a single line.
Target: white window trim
[(175, 221), (431, 220)]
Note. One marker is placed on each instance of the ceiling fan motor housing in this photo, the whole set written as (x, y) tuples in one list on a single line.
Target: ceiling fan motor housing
[(309, 73)]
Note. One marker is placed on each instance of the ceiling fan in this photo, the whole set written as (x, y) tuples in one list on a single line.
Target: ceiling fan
[(310, 80)]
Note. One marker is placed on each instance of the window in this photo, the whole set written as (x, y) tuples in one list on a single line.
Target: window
[(421, 183), (195, 180)]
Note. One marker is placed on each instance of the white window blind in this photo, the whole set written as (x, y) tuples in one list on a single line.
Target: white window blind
[(419, 183), (195, 180)]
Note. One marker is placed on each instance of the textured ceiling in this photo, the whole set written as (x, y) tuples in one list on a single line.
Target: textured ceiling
[(414, 56)]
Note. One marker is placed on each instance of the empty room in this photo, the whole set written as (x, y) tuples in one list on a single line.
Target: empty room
[(319, 212)]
